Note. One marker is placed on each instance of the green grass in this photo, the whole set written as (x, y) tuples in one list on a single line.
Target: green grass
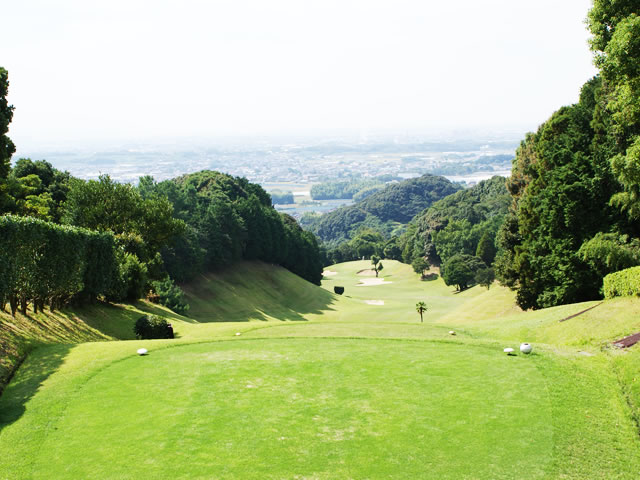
[(322, 386)]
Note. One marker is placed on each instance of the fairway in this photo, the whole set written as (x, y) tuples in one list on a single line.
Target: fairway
[(322, 386)]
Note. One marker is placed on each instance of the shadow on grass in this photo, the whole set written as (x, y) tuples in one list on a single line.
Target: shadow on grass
[(39, 365), (241, 299)]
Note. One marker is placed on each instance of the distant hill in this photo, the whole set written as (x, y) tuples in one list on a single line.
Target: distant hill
[(457, 223), (396, 204)]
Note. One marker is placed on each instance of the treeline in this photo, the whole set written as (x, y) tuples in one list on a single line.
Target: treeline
[(575, 182), (160, 232), (357, 189), (227, 219), (43, 263)]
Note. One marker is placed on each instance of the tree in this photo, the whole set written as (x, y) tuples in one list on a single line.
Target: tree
[(485, 277), (486, 249), (615, 26), (421, 307), (420, 265), (377, 264), (7, 148), (460, 270)]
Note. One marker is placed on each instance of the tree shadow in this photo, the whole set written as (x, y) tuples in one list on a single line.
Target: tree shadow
[(241, 300), (37, 367), (430, 277)]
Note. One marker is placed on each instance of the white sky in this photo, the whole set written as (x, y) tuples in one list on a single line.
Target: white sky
[(84, 70)]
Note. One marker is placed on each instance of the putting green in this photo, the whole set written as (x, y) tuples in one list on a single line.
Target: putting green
[(305, 408)]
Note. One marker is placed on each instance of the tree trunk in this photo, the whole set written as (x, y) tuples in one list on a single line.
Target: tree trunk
[(23, 305), (13, 302), (421, 320)]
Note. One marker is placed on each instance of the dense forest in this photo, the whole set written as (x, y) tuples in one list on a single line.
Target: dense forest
[(383, 211), (458, 224)]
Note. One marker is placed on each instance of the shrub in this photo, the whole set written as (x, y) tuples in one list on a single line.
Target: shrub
[(131, 279), (338, 290), (151, 326), (623, 283), (171, 295)]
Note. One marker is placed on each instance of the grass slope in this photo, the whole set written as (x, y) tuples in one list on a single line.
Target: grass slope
[(325, 386)]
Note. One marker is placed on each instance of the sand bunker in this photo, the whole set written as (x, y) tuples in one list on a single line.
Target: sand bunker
[(369, 282), (328, 273), (374, 302)]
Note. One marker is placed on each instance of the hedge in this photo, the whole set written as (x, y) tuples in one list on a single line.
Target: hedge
[(41, 262), (623, 283)]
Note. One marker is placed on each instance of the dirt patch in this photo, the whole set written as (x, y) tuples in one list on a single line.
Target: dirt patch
[(368, 272), (374, 302), (627, 342), (369, 282), (580, 313), (329, 273)]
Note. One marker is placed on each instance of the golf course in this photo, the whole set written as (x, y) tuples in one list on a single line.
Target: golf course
[(271, 377)]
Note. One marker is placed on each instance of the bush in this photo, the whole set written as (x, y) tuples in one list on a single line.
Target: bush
[(338, 290), (131, 279), (151, 326), (171, 295), (623, 283)]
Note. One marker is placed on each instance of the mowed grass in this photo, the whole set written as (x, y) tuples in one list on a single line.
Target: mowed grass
[(322, 386)]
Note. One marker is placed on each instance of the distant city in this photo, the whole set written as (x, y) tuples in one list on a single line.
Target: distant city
[(296, 164)]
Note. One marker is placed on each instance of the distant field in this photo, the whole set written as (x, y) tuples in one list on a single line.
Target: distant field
[(272, 377)]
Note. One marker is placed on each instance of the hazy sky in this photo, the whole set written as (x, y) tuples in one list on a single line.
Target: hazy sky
[(99, 70)]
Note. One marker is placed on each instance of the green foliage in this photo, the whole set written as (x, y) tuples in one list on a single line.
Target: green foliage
[(377, 264), (229, 219), (171, 295), (43, 262), (623, 283), (7, 148), (561, 185), (421, 307), (106, 205), (486, 249), (151, 326), (131, 279), (458, 224), (461, 269), (367, 243), (610, 252), (485, 277), (356, 189), (615, 26), (420, 265), (382, 211)]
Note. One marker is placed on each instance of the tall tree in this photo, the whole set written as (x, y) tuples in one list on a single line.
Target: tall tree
[(615, 26), (7, 148), (377, 264)]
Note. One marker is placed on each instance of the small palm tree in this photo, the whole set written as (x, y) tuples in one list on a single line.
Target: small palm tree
[(421, 307)]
